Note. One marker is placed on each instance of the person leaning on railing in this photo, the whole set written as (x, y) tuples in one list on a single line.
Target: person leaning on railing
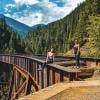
[(50, 56), (49, 59)]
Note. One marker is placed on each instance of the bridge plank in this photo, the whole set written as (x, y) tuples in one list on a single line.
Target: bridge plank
[(67, 69), (49, 92)]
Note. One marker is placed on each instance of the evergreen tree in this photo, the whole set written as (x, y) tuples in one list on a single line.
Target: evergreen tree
[(94, 36)]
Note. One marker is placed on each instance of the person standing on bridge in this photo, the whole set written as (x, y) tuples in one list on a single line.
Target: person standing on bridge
[(76, 49), (50, 56)]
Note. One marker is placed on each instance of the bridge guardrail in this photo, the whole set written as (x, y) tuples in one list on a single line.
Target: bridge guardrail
[(48, 74)]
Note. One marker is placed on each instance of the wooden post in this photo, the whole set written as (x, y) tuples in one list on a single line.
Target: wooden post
[(51, 76), (28, 86), (40, 75), (57, 76), (45, 76), (37, 73), (66, 76), (30, 67), (48, 76), (11, 85)]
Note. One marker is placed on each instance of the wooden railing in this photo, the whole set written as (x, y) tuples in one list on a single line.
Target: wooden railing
[(45, 74), (49, 74)]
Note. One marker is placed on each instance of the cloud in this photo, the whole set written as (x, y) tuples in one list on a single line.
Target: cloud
[(30, 2), (30, 20), (32, 12), (10, 5), (55, 12)]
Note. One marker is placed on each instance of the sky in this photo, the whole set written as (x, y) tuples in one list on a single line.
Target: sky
[(32, 12)]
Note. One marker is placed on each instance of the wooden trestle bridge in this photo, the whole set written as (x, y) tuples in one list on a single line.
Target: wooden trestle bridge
[(30, 74)]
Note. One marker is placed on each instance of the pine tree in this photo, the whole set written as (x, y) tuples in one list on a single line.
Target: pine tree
[(94, 36)]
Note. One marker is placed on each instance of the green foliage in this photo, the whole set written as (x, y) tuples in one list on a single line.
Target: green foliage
[(9, 50), (94, 36), (80, 24), (10, 42), (61, 34), (56, 35)]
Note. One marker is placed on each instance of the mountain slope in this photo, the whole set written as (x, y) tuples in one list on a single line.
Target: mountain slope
[(61, 34), (10, 42), (37, 26), (20, 28)]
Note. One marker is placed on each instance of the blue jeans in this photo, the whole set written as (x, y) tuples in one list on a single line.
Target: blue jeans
[(49, 61), (77, 58)]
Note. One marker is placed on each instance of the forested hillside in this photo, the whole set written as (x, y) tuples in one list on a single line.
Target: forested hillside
[(10, 42), (83, 23)]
